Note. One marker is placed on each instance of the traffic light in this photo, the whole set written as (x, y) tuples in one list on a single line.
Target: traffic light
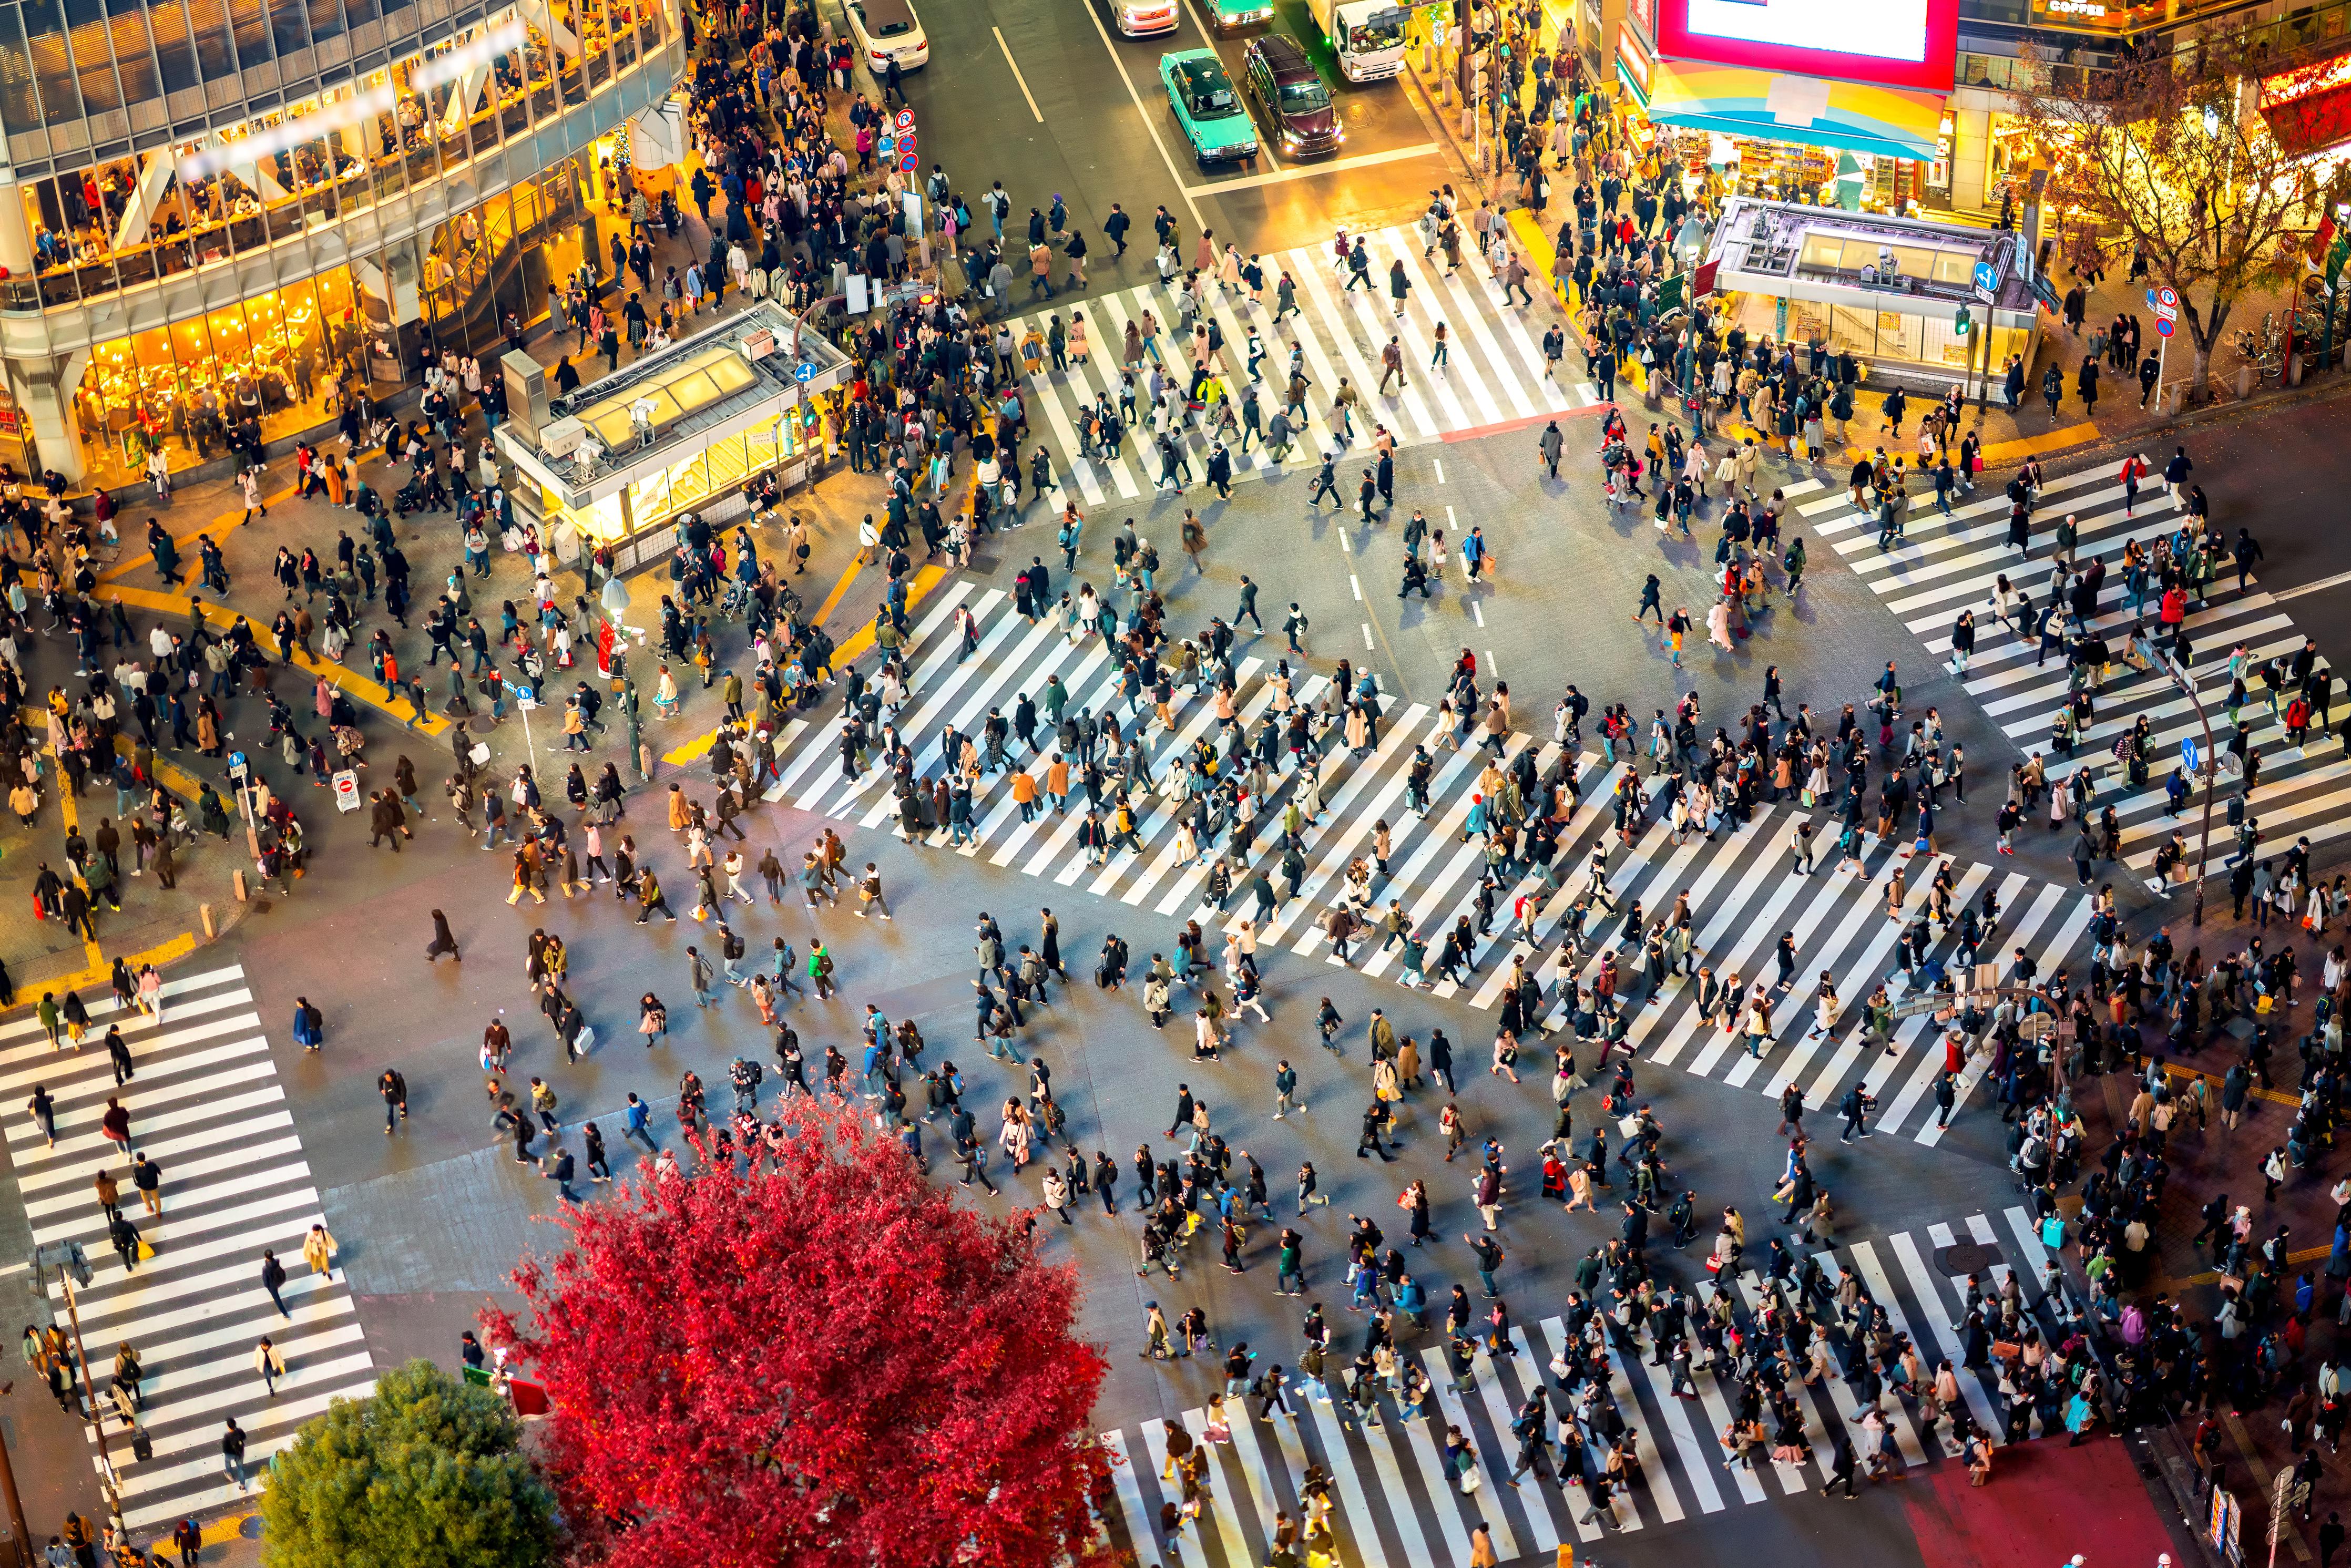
[(1962, 323)]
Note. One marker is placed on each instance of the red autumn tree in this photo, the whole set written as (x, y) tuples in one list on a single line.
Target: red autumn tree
[(826, 1363)]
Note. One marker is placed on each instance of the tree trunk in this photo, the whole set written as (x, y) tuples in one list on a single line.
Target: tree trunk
[(2203, 332)]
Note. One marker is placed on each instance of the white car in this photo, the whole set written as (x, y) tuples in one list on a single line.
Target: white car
[(1145, 18), (887, 30)]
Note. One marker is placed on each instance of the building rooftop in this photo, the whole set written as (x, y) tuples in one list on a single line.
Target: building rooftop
[(588, 444), (1831, 246)]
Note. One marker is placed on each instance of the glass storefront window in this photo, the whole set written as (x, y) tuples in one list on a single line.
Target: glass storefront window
[(725, 459), (1894, 338), (759, 442), (210, 20), (596, 43), (126, 22), (539, 75), (601, 521), (44, 30), (623, 16), (1851, 329), (285, 26), (252, 25), (275, 357), (93, 66), (567, 42), (510, 89), (342, 335), (689, 482), (174, 50), (20, 105), (649, 497)]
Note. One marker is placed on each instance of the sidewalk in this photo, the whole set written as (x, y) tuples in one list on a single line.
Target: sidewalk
[(2219, 1161), (2009, 438)]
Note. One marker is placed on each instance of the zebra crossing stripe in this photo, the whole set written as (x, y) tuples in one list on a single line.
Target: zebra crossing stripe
[(1948, 565), (208, 1108), (1392, 1488), (1495, 373), (1743, 889)]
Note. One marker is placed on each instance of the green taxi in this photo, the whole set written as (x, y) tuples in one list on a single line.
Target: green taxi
[(1207, 108), (1232, 15)]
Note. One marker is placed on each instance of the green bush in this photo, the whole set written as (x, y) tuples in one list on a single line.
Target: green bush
[(427, 1473)]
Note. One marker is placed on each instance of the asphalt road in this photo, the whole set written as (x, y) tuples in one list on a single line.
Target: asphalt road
[(1094, 125), (431, 1219)]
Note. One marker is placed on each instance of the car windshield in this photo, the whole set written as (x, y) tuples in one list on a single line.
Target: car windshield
[(1382, 32), (1300, 97), (1212, 100), (886, 21)]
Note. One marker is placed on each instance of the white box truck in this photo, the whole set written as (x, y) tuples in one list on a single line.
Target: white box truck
[(1366, 34)]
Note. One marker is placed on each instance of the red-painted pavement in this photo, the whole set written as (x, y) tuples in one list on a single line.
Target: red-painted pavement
[(2043, 1503)]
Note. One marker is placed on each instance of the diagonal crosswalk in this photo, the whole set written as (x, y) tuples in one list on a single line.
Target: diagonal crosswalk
[(1398, 1506), (207, 1108), (1494, 376), (1948, 565), (1742, 888)]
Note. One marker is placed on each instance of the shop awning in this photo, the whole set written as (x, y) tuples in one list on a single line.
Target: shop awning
[(1899, 122)]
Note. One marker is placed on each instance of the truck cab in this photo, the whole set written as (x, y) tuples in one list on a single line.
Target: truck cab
[(1367, 35)]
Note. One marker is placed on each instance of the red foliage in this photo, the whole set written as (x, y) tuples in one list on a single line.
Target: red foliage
[(825, 1363)]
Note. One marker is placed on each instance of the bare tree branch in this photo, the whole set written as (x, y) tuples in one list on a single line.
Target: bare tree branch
[(2168, 152)]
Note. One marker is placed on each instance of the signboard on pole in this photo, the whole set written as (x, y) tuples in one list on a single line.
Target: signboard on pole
[(1987, 282), (2223, 1523), (2191, 757), (237, 767)]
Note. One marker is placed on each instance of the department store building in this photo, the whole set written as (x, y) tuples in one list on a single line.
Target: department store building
[(212, 207)]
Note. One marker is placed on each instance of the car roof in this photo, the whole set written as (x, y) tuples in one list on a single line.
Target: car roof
[(1200, 68), (882, 13), (1283, 57)]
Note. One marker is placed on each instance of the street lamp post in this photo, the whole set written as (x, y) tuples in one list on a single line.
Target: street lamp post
[(111, 1488), (2209, 768), (22, 1532)]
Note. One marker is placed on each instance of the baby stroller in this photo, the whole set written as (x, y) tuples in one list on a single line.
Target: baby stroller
[(410, 499)]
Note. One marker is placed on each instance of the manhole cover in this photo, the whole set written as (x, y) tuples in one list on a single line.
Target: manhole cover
[(481, 724), (1969, 1258), (984, 563)]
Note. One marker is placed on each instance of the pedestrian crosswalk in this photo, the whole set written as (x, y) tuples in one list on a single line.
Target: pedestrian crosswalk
[(1948, 566), (1397, 1504), (1494, 374), (205, 1106), (1743, 889)]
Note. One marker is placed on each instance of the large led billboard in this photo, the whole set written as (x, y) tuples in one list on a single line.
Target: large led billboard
[(1892, 43)]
